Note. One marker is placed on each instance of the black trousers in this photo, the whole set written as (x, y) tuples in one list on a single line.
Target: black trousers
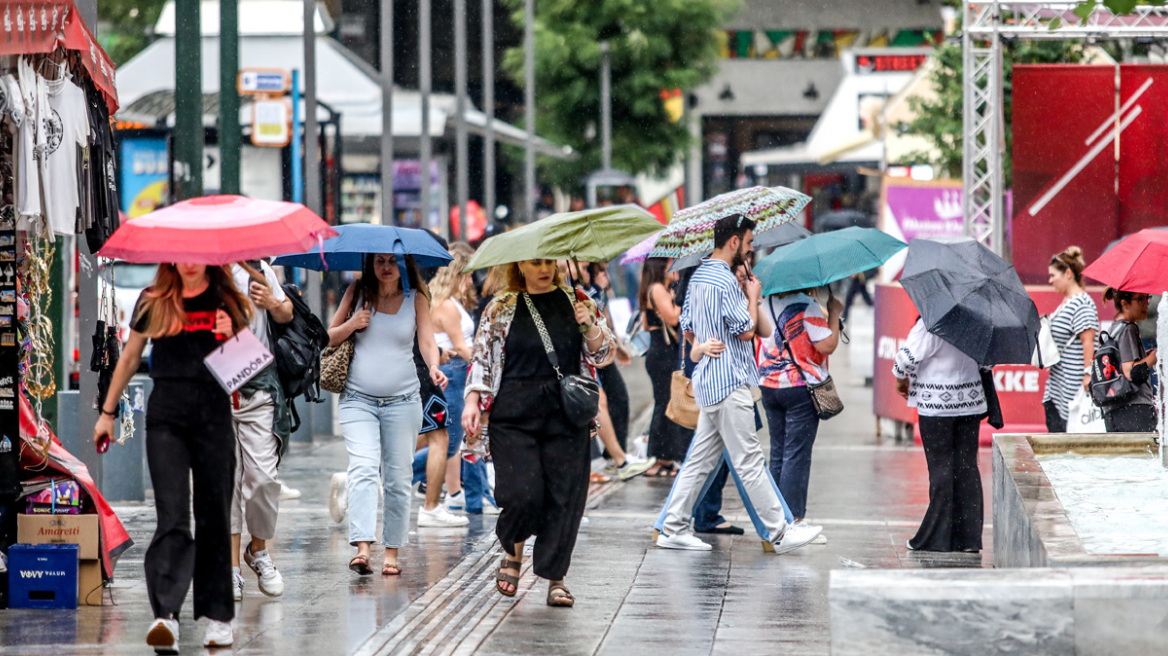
[(667, 440), (1134, 418), (189, 432), (618, 402), (954, 519), (541, 474), (1054, 421)]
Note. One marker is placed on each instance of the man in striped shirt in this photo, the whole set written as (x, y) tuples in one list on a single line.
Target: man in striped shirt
[(716, 308)]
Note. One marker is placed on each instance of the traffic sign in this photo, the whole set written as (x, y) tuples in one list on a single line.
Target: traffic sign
[(271, 122), (266, 81)]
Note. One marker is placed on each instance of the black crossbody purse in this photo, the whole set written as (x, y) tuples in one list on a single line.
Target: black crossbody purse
[(580, 396)]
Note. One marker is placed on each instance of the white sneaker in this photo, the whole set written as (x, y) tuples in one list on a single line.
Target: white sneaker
[(219, 634), (271, 582), (456, 501), (163, 636), (684, 541), (490, 508), (439, 517), (339, 497), (584, 522), (633, 469), (236, 584), (796, 535), (820, 539), (288, 493), (420, 490)]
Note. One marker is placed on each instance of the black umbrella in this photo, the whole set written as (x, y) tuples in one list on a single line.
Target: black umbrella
[(781, 235), (841, 219), (972, 299)]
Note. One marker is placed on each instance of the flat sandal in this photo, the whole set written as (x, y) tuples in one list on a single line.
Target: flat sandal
[(500, 578), (559, 596)]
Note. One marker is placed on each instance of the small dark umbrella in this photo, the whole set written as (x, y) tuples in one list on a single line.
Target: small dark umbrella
[(971, 298), (841, 219)]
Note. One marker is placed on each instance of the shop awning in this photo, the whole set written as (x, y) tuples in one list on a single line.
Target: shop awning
[(41, 26)]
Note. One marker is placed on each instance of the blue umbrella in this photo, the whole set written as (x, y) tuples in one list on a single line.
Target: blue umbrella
[(824, 258), (346, 251)]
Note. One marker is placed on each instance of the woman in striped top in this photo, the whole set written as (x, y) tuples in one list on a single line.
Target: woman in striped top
[(1073, 326)]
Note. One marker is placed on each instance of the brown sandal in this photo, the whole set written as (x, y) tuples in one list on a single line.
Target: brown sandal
[(391, 569), (360, 565), (559, 596), (501, 578)]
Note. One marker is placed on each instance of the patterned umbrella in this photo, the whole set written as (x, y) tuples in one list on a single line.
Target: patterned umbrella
[(640, 252), (692, 229)]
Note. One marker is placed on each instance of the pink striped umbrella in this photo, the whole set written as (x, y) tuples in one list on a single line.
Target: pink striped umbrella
[(217, 230), (639, 252)]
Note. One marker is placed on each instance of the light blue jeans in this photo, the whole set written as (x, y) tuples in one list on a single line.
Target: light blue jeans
[(380, 434)]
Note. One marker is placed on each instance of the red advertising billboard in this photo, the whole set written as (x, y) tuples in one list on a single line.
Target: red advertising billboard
[(1019, 387)]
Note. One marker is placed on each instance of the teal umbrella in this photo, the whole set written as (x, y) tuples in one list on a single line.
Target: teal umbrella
[(824, 258)]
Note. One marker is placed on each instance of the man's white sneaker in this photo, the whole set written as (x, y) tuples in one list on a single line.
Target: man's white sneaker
[(456, 501), (219, 634), (439, 517), (820, 539), (797, 535), (490, 508), (634, 469), (682, 541), (236, 584), (339, 497), (271, 582), (288, 493), (163, 636)]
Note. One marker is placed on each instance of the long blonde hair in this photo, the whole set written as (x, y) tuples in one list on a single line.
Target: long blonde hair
[(513, 278), (163, 305), (450, 281)]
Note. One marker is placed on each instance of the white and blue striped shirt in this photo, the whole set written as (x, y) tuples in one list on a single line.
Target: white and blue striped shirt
[(716, 307)]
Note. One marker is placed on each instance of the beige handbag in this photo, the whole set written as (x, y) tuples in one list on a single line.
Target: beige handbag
[(682, 409)]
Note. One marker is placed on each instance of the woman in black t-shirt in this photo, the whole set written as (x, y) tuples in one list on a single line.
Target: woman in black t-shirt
[(186, 313), (1138, 413)]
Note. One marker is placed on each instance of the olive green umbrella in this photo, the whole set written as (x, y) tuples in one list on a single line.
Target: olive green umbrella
[(597, 235)]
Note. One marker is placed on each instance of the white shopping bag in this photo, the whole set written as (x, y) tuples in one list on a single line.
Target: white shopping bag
[(238, 360), (1083, 416)]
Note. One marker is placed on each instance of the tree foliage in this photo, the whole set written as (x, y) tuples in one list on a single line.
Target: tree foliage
[(665, 44), (125, 26), (939, 120)]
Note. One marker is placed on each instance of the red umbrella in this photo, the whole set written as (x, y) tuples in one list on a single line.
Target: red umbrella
[(1136, 264), (217, 230)]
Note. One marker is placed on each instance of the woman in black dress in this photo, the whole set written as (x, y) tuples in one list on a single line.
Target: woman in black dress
[(668, 442)]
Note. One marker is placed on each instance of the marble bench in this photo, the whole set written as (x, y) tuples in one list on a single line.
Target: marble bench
[(1085, 611)]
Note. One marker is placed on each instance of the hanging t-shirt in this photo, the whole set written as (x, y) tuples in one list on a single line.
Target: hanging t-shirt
[(181, 356), (66, 127), (35, 101)]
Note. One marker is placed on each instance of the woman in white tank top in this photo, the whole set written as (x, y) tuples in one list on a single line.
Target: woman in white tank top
[(454, 331)]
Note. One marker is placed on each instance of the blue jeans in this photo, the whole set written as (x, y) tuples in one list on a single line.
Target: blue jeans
[(707, 512), (793, 424), (380, 434)]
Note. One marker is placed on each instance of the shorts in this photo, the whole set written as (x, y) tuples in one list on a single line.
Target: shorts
[(435, 412)]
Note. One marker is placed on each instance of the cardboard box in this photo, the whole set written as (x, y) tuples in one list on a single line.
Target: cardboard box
[(80, 530), (89, 584)]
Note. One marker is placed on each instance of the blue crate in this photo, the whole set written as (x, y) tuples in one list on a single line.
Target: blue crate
[(42, 576)]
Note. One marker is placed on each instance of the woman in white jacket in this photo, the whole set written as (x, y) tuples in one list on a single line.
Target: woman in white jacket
[(944, 385)]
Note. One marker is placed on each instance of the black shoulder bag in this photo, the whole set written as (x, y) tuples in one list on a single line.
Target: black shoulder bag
[(826, 400), (580, 396)]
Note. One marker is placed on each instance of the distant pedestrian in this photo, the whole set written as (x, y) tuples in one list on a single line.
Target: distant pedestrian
[(262, 423), (944, 385), (793, 358), (716, 307), (1074, 326), (380, 410), (668, 442), (188, 310), (1137, 414), (541, 457)]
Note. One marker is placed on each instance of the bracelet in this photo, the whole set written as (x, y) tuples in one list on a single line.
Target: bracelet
[(599, 332), (113, 414)]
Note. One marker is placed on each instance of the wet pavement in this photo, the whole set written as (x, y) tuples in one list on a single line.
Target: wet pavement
[(869, 496)]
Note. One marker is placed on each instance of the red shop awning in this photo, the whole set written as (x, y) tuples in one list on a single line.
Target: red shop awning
[(41, 26)]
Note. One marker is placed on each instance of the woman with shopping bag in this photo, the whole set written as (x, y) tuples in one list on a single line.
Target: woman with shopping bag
[(1073, 327)]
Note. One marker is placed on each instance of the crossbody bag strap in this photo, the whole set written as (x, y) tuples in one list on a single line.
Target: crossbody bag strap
[(786, 344), (543, 336)]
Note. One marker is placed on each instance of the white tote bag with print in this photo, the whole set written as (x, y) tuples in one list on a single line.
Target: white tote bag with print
[(1083, 416)]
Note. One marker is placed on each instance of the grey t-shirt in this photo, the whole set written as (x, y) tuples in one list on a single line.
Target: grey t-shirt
[(1131, 349)]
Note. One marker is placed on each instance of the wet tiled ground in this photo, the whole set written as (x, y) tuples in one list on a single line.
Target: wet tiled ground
[(631, 596)]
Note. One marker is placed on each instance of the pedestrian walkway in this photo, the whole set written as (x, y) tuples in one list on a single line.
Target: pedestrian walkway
[(631, 596)]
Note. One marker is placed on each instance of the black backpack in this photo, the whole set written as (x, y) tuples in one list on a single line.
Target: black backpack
[(296, 346), (1109, 387)]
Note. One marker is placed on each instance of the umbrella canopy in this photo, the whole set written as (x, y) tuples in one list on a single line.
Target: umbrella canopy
[(971, 298), (692, 229), (1138, 263), (217, 230), (824, 258), (787, 233), (346, 251), (596, 235), (841, 219), (640, 252)]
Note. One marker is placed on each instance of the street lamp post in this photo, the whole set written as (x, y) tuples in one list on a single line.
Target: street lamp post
[(460, 123), (489, 108), (529, 107), (424, 92), (387, 217)]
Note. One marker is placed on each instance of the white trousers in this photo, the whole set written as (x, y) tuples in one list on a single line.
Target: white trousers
[(257, 485), (727, 425)]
